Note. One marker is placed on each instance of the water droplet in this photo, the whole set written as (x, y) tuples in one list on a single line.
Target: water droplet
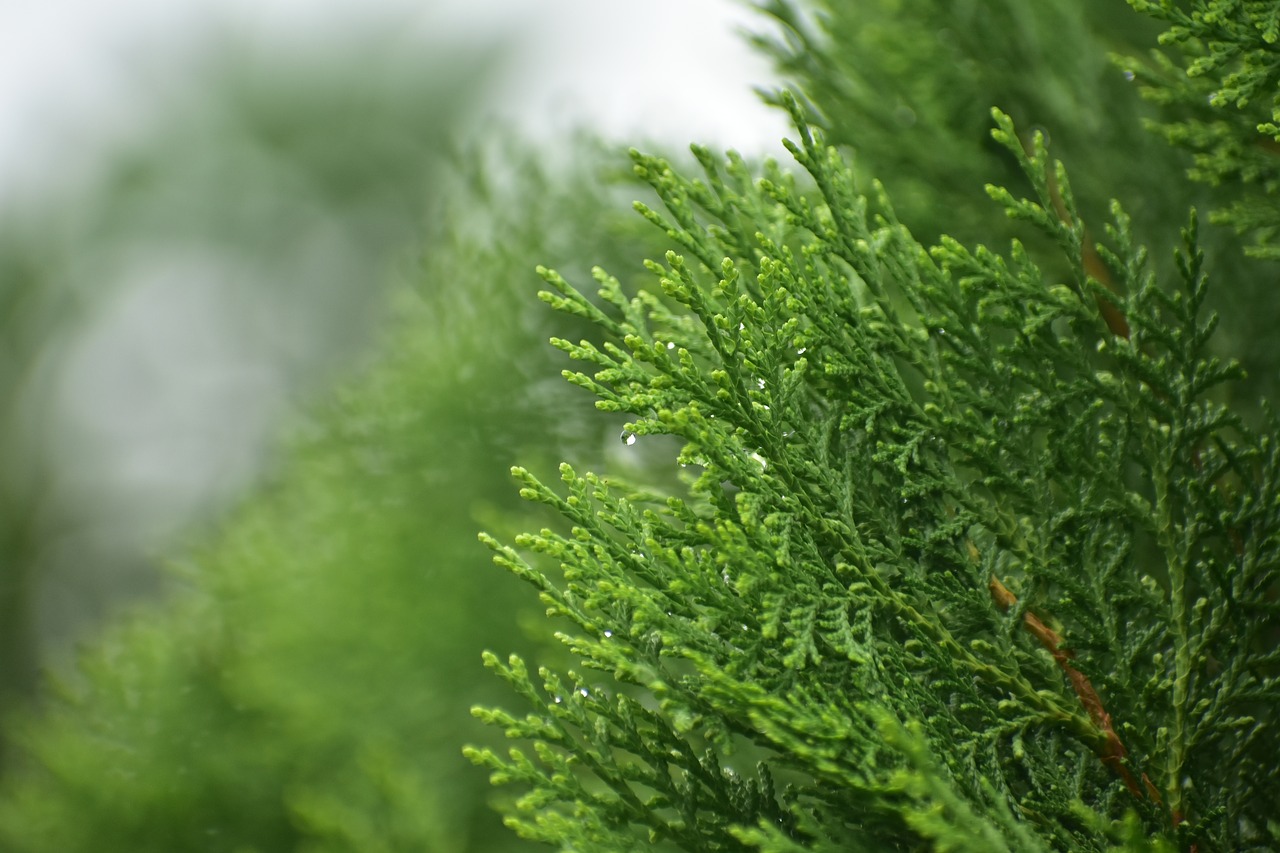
[(760, 459), (558, 700), (670, 345), (802, 350), (1129, 75), (608, 634), (628, 437), (583, 692), (760, 384)]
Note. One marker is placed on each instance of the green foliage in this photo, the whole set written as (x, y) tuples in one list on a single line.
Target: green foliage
[(903, 548), (1216, 84), (908, 84), (1221, 91), (308, 687), (814, 646), (268, 184)]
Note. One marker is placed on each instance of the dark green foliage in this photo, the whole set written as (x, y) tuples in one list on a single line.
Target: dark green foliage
[(1217, 85), (807, 649), (1221, 94), (908, 85)]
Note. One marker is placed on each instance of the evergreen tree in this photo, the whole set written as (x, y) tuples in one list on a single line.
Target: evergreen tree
[(970, 556), (908, 543)]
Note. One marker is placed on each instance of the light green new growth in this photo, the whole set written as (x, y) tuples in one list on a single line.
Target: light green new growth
[(958, 564)]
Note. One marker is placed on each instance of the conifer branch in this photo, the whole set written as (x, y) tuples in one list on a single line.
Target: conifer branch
[(1220, 87), (882, 443)]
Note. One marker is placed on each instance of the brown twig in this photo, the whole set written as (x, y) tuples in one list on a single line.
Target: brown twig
[(1094, 266), (1114, 754)]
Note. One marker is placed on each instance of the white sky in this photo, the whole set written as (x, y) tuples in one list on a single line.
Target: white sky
[(676, 69)]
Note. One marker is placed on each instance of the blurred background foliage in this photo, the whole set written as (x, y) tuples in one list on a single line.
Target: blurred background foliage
[(310, 689), (306, 683), (303, 220), (159, 314)]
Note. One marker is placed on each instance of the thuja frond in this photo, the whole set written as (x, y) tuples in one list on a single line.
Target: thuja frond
[(958, 564), (1221, 91), (907, 84)]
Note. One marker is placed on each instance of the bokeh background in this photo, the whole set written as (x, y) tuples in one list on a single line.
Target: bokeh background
[(213, 213), (270, 341), (202, 206)]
